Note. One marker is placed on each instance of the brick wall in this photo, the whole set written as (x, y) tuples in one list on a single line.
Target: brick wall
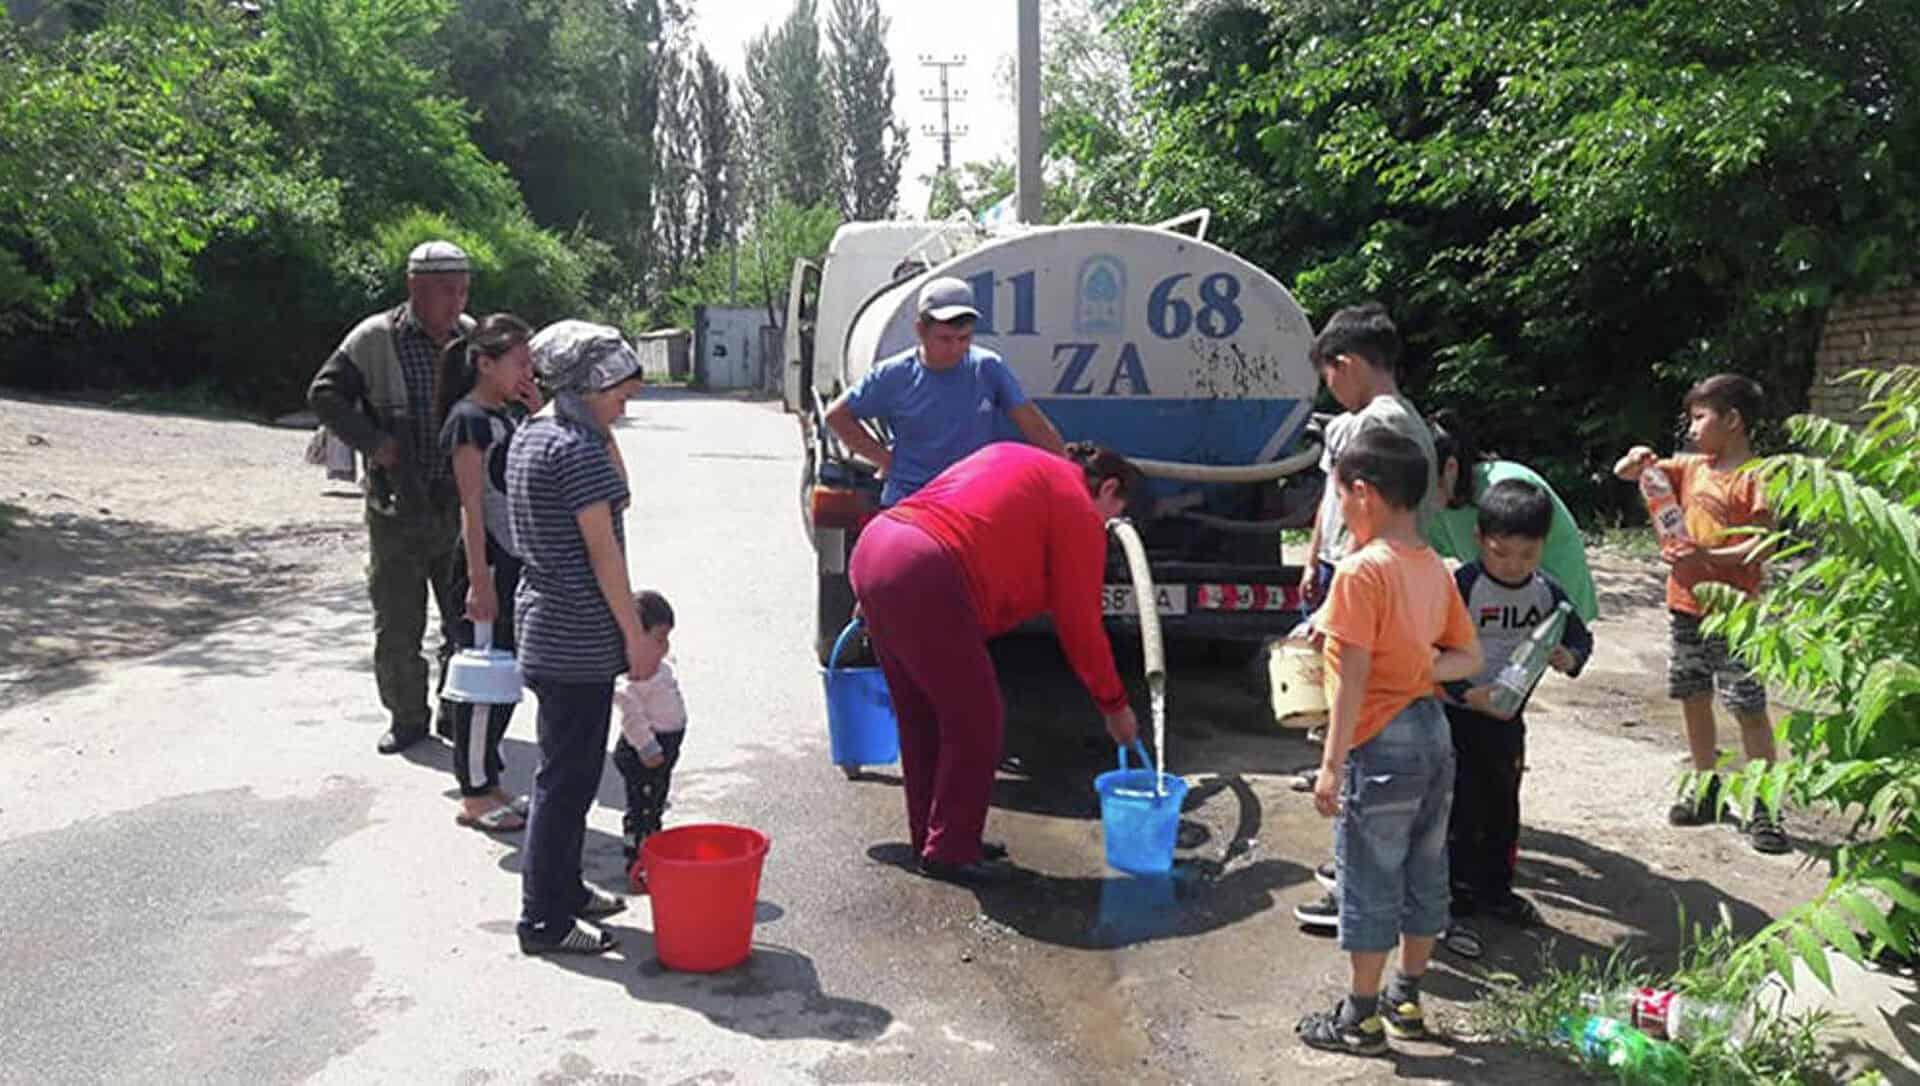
[(1877, 332)]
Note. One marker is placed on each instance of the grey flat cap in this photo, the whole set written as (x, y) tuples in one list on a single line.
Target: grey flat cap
[(434, 257)]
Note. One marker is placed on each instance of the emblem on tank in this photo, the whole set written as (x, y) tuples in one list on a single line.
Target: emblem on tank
[(1101, 292)]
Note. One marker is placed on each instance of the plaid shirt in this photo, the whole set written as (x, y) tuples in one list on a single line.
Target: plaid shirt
[(419, 363)]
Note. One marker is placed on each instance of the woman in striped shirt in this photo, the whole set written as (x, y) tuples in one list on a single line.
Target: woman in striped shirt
[(566, 491)]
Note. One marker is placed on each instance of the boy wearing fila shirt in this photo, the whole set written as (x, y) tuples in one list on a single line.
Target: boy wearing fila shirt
[(1507, 595)]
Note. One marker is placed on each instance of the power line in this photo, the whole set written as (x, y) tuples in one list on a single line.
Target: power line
[(947, 96)]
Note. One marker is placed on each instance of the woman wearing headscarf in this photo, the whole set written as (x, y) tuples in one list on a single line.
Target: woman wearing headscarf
[(578, 628)]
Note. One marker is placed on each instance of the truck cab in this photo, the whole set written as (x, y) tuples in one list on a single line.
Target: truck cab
[(1150, 341)]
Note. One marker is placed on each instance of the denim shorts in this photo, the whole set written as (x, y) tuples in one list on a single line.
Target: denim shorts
[(1390, 839)]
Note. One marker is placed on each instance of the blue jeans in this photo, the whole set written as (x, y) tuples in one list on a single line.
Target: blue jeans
[(1390, 841), (573, 752)]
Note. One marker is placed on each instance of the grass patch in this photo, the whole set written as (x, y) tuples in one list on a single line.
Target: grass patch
[(1777, 1048)]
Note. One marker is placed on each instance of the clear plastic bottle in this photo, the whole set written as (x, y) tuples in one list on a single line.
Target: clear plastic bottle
[(1670, 1015), (1663, 505), (1529, 661)]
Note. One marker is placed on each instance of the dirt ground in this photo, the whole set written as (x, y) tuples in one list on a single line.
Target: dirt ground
[(123, 532), (129, 531)]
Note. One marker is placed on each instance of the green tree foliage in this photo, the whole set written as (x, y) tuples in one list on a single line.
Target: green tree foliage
[(765, 257), (1094, 135), (971, 187), (349, 83), (719, 164), (565, 95), (122, 154), (194, 192), (1572, 206), (860, 78), (791, 145), (1837, 636), (676, 212)]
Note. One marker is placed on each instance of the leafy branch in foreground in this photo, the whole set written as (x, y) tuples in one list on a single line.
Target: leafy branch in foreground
[(1839, 638)]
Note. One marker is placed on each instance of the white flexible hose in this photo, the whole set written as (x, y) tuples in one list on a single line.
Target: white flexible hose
[(1148, 601), (1229, 473)]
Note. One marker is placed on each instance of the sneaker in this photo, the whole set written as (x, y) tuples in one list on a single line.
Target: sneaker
[(1404, 1020), (1704, 811), (1324, 1030), (1765, 834), (1324, 913), (1328, 875)]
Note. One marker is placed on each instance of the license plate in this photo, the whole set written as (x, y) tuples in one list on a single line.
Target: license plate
[(1118, 599)]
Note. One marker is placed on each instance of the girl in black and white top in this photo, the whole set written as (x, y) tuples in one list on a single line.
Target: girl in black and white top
[(484, 377)]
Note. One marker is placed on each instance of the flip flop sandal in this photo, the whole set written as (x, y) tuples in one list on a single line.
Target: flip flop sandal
[(495, 820), (1464, 941), (578, 941), (601, 905)]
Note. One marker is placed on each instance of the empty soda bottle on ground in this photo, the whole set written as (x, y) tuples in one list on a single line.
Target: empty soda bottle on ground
[(1663, 506), (1631, 1054), (1663, 1013)]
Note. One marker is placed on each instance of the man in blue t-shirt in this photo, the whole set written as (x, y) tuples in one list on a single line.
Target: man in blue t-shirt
[(942, 400)]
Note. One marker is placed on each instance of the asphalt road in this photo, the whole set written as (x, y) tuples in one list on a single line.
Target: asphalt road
[(208, 875)]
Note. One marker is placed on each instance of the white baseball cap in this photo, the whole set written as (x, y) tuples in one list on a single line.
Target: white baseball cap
[(437, 257), (947, 299)]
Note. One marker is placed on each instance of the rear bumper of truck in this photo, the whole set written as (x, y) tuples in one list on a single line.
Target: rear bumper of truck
[(1205, 601), (1211, 601)]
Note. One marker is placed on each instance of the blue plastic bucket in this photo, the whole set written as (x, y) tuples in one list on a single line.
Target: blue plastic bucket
[(861, 727), (1140, 827)]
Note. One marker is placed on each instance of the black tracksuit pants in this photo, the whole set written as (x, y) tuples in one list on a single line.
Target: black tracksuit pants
[(1483, 835), (476, 744), (646, 787)]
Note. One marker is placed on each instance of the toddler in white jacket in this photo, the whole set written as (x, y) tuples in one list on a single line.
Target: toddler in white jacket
[(653, 720)]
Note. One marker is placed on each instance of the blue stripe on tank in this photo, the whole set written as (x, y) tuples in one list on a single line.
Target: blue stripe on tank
[(1195, 431)]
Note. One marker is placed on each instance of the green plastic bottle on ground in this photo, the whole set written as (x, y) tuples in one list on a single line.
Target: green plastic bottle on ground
[(1637, 1058)]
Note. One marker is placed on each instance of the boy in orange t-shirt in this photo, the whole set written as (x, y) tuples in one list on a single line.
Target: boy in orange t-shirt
[(1715, 497), (1394, 626)]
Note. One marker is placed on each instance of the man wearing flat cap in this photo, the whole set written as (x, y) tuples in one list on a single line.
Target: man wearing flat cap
[(377, 394), (942, 400)]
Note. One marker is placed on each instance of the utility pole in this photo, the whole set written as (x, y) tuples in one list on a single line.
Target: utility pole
[(1027, 172), (947, 95)]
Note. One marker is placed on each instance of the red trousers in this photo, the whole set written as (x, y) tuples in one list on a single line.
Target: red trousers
[(934, 655)]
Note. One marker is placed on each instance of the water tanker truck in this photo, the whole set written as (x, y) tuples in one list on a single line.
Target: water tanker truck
[(1145, 339)]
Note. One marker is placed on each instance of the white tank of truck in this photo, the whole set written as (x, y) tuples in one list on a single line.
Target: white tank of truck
[(1146, 339), (1151, 342)]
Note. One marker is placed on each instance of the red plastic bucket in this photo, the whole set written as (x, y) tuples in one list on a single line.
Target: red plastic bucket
[(704, 880)]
